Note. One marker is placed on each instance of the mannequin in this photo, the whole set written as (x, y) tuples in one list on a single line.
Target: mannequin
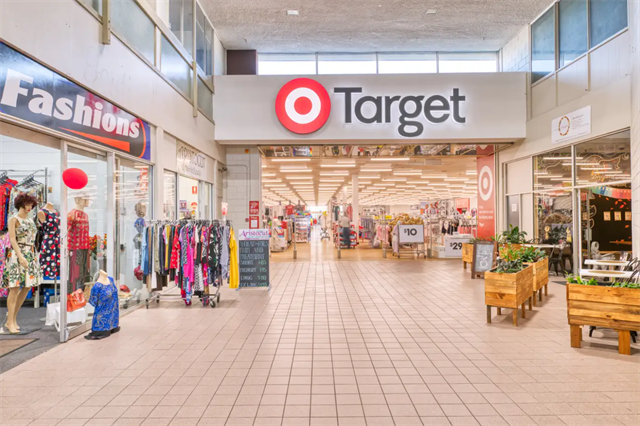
[(78, 244), (23, 269), (50, 245), (106, 317)]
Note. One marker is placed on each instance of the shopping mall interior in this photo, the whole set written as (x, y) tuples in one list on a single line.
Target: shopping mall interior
[(326, 213)]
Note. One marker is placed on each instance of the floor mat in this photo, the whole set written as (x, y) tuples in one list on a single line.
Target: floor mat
[(10, 345)]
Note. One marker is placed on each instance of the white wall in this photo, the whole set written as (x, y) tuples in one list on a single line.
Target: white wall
[(516, 53), (243, 183)]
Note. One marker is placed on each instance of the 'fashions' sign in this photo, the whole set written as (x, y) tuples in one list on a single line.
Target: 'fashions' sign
[(34, 93), (357, 108)]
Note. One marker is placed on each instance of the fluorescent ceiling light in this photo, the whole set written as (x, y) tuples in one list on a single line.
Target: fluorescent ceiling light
[(293, 12), (284, 160), (298, 177), (332, 180), (438, 184), (271, 180), (407, 173), (375, 170), (391, 159), (439, 176), (455, 179), (268, 174), (595, 168), (334, 174), (395, 180), (338, 165), (471, 172), (270, 185), (346, 162), (295, 170)]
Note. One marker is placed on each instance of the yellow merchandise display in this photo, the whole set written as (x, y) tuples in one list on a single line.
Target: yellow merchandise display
[(234, 274)]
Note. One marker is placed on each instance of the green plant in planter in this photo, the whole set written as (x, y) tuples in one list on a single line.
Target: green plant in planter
[(625, 285), (498, 238), (514, 235), (574, 279), (510, 261), (531, 254)]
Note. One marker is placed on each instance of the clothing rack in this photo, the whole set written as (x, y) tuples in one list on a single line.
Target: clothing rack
[(206, 299), (31, 175)]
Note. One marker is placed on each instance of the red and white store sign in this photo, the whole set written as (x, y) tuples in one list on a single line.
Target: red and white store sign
[(224, 208), (303, 106), (254, 222), (486, 195), (254, 208)]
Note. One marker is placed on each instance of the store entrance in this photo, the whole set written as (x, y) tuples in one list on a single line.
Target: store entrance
[(369, 202)]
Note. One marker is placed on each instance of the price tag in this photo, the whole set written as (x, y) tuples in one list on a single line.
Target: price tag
[(411, 234)]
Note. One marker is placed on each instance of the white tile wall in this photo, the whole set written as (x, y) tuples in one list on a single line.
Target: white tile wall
[(573, 81), (611, 62), (543, 96), (515, 54)]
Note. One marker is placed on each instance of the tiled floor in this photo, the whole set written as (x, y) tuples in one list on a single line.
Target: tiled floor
[(334, 343)]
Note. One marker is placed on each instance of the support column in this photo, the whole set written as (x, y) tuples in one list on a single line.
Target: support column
[(355, 203), (634, 31)]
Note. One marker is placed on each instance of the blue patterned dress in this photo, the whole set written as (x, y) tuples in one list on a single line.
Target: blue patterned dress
[(104, 298)]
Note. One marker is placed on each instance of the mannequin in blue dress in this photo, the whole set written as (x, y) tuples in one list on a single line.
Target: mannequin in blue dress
[(104, 298)]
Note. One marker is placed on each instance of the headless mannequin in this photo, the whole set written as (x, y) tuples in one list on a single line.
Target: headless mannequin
[(42, 217), (17, 295), (81, 203), (103, 278)]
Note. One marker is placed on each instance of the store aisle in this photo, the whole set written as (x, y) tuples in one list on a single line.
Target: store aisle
[(333, 343)]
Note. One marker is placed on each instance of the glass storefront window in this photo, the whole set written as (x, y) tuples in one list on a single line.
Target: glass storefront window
[(605, 218), (133, 207), (604, 160), (552, 170), (467, 62), (188, 198), (169, 207), (86, 229), (554, 216)]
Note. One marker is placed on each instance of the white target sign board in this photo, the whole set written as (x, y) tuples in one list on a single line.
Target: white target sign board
[(409, 234)]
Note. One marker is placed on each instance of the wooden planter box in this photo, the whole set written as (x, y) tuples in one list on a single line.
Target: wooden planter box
[(540, 278), (607, 307), (508, 291), (467, 254)]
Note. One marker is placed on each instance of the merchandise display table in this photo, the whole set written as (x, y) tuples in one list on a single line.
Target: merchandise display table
[(78, 316), (452, 247)]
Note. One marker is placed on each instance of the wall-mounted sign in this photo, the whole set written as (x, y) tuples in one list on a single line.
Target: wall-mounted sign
[(486, 195), (34, 93), (224, 208), (254, 222), (489, 106), (194, 190), (571, 126), (254, 208), (191, 162), (462, 203)]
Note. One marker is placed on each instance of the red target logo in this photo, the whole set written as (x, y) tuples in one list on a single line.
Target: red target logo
[(303, 106)]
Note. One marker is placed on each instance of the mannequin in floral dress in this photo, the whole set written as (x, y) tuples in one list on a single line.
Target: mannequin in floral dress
[(22, 270)]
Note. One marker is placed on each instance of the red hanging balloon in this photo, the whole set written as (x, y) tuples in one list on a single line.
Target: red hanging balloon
[(75, 178)]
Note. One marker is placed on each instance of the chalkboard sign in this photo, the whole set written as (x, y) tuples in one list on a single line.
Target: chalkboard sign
[(484, 256), (254, 258)]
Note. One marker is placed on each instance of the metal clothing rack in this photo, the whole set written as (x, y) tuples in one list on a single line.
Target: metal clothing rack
[(207, 299)]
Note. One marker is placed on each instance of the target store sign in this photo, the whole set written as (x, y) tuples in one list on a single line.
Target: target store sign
[(303, 106), (356, 108)]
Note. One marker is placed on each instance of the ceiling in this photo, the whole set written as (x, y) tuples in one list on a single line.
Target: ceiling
[(370, 25), (382, 180)]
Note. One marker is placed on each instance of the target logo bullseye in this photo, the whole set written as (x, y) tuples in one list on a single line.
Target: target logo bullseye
[(303, 106)]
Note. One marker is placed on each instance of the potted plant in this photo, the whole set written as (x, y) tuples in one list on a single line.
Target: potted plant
[(540, 262), (514, 236), (509, 285), (615, 306)]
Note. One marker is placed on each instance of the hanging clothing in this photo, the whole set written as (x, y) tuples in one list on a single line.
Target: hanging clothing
[(106, 317), (50, 246), (79, 267), (77, 230), (234, 273), (225, 253), (5, 199), (15, 275)]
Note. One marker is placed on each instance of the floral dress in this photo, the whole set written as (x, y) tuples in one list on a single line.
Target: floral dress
[(14, 274), (5, 244), (50, 248)]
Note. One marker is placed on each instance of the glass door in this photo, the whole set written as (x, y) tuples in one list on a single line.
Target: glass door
[(133, 211)]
